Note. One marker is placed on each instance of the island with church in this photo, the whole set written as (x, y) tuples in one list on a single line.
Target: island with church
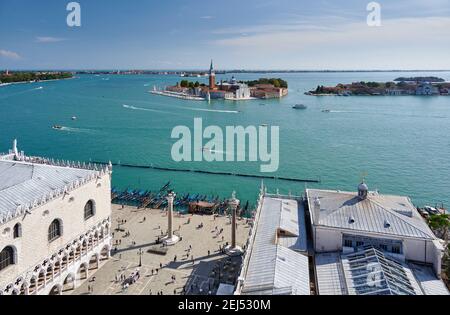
[(427, 86), (263, 88)]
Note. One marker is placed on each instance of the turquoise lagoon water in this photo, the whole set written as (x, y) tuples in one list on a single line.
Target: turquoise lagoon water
[(402, 144)]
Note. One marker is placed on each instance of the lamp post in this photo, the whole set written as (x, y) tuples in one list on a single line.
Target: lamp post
[(233, 249), (140, 252), (119, 225)]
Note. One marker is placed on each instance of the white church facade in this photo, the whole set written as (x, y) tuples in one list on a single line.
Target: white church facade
[(55, 223)]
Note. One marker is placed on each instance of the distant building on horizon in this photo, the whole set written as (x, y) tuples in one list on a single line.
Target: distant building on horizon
[(212, 76), (227, 90)]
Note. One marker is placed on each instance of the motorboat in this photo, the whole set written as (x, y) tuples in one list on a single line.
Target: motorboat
[(299, 106), (74, 118), (57, 127), (326, 111), (431, 210)]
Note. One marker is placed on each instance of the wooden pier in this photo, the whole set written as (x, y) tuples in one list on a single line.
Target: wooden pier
[(205, 204)]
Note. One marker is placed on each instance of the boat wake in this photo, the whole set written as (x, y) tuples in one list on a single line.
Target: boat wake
[(143, 109), (21, 92), (71, 129)]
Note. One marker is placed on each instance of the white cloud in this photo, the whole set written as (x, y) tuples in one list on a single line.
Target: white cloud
[(48, 39), (295, 37), (9, 54), (403, 43)]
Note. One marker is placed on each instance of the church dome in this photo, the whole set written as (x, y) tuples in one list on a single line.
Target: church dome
[(363, 187), (363, 191)]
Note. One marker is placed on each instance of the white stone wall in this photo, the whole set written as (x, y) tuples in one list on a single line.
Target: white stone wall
[(33, 247), (327, 240)]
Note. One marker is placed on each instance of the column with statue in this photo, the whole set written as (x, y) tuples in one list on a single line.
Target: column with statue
[(233, 249)]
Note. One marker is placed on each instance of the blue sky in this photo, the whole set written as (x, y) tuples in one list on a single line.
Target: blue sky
[(238, 34)]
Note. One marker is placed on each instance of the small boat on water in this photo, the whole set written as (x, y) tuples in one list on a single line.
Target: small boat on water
[(299, 106), (326, 111), (57, 127), (74, 118)]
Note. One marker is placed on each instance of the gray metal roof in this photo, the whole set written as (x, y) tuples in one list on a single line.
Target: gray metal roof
[(329, 273), (24, 185), (383, 214), (273, 268), (427, 280)]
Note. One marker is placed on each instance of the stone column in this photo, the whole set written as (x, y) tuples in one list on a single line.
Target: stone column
[(170, 199), (170, 239), (233, 249)]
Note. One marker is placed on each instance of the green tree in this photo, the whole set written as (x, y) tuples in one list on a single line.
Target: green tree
[(440, 223)]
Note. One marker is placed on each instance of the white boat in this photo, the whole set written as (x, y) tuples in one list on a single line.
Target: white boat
[(57, 127), (431, 210), (74, 118), (299, 106)]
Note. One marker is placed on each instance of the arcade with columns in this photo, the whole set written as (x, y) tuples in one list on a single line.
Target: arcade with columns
[(55, 223)]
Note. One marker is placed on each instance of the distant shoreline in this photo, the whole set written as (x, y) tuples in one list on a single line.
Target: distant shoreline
[(29, 82), (180, 71)]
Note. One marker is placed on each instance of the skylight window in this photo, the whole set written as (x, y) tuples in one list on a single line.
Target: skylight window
[(371, 273)]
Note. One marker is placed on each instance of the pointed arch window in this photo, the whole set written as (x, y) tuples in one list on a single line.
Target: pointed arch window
[(6, 257), (17, 231), (54, 230), (89, 209)]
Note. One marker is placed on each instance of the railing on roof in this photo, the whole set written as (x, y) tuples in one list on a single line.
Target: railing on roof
[(64, 163), (249, 247), (100, 170)]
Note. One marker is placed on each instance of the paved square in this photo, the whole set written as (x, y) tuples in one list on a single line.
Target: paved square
[(164, 273)]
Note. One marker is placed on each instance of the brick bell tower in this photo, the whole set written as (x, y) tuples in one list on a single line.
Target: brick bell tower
[(212, 77)]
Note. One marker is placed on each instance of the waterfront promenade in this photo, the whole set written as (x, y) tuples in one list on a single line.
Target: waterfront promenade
[(198, 276), (178, 95)]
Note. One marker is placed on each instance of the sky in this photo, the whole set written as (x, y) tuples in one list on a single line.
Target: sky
[(237, 34)]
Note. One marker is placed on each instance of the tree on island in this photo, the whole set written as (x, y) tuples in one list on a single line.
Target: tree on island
[(276, 82), (189, 84), (33, 76), (420, 79), (184, 83), (390, 85)]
